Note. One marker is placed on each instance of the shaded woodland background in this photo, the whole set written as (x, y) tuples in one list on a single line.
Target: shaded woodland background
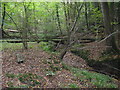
[(74, 33)]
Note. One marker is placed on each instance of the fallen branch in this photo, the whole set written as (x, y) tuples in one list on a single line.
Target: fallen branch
[(111, 67), (91, 47), (108, 36), (103, 72)]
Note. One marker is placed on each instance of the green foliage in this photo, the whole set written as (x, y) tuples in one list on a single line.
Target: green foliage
[(12, 46), (15, 46), (73, 85), (48, 61), (99, 80), (22, 86), (56, 61), (64, 66), (55, 68), (29, 78), (40, 15), (50, 73), (10, 75), (10, 84), (102, 84), (47, 46)]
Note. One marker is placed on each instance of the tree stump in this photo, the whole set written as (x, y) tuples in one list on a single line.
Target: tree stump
[(20, 58)]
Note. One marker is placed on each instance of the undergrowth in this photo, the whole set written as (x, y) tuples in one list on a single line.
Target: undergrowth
[(15, 46), (97, 79), (47, 46)]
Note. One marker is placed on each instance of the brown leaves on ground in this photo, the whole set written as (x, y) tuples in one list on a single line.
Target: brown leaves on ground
[(35, 63), (75, 61)]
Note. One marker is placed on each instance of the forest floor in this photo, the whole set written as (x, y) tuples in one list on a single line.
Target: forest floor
[(43, 69)]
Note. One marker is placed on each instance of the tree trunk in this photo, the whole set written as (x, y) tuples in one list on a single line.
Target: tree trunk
[(112, 13), (118, 19), (107, 23), (58, 18), (3, 33), (69, 42), (25, 29), (86, 16)]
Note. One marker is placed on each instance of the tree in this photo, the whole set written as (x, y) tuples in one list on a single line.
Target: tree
[(86, 16), (58, 18), (71, 34), (118, 24), (3, 33), (108, 28), (26, 28)]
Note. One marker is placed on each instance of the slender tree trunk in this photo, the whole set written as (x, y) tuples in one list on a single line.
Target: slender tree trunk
[(3, 33), (67, 17), (112, 13), (35, 24), (58, 18), (69, 42), (25, 29), (86, 16)]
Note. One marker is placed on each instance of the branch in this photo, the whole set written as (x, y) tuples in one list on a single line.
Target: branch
[(89, 47), (111, 66), (108, 36), (75, 22), (12, 20), (99, 41)]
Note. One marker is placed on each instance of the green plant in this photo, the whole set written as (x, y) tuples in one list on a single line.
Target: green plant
[(99, 80), (50, 73), (103, 84), (64, 66), (46, 46), (10, 75), (10, 84), (56, 61), (47, 61), (12, 46), (22, 86), (73, 85), (29, 78), (55, 68)]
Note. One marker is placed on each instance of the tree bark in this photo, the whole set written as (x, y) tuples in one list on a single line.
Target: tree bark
[(58, 18), (3, 33), (86, 16), (25, 29), (108, 28), (69, 42), (118, 19)]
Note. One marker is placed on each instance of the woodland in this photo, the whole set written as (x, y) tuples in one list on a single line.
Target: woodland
[(60, 44)]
